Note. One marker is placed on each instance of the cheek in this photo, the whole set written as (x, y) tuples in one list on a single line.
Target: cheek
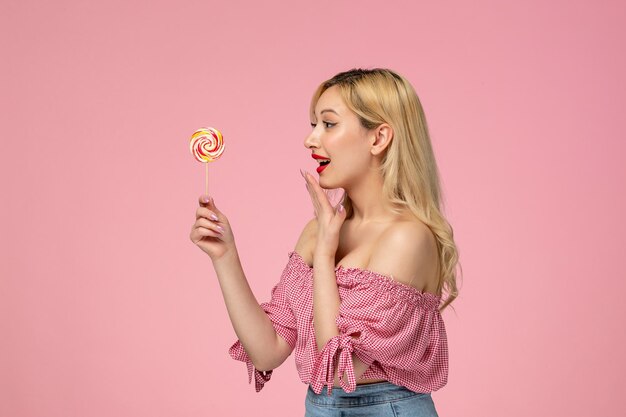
[(356, 148), (347, 147), (342, 141), (354, 158)]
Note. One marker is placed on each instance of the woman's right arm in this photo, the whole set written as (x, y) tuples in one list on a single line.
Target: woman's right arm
[(253, 327)]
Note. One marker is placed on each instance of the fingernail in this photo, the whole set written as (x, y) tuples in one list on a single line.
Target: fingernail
[(220, 228), (214, 217), (205, 199), (341, 207)]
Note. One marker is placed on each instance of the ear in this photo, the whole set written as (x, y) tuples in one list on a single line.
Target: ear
[(383, 135)]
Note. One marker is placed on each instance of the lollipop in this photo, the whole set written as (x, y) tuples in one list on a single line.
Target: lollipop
[(206, 145)]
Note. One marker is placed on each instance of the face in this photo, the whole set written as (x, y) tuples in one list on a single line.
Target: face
[(339, 136)]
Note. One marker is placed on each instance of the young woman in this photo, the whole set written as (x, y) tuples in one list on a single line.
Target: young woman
[(361, 296)]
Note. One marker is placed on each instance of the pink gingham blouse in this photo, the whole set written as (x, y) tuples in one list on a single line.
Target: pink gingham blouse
[(402, 334)]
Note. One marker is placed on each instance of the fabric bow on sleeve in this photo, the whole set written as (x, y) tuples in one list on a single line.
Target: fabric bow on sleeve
[(237, 352), (339, 349)]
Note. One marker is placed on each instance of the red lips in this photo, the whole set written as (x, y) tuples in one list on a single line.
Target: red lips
[(320, 157)]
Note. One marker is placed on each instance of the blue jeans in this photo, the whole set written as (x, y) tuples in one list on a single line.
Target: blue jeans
[(379, 399)]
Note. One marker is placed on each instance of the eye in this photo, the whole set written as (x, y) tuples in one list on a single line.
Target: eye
[(328, 125)]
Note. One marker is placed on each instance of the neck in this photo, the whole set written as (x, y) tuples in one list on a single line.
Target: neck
[(368, 202)]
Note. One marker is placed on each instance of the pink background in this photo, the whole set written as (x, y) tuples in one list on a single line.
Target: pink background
[(108, 309)]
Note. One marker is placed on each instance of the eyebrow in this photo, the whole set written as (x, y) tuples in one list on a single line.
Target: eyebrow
[(327, 110)]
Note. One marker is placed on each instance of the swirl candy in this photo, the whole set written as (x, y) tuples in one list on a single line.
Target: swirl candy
[(206, 144)]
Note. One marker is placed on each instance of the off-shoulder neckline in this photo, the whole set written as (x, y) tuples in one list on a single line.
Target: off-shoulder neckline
[(378, 275)]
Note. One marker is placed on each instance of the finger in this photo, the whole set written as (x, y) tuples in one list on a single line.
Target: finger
[(208, 202), (319, 194), (212, 206), (206, 213), (203, 200), (313, 196), (340, 212), (199, 232), (204, 232), (311, 188), (207, 224)]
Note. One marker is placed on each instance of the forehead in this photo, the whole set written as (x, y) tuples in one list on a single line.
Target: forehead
[(331, 99)]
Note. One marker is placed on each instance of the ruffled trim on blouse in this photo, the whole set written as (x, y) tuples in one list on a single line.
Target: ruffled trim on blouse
[(352, 276)]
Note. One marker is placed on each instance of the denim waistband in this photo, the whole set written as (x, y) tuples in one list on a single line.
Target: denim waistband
[(364, 394)]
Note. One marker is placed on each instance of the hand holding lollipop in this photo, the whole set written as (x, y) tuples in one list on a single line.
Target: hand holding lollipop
[(211, 231), (206, 145)]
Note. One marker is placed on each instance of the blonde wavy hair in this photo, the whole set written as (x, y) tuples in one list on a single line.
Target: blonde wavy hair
[(409, 170)]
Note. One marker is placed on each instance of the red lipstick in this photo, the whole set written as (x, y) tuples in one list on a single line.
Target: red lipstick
[(321, 168), (321, 158)]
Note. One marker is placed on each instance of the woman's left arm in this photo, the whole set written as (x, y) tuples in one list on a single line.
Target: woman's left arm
[(326, 299)]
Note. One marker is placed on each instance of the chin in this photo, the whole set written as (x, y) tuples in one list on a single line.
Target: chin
[(328, 185)]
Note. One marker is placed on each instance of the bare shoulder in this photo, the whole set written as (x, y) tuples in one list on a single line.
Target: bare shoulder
[(407, 251), (304, 246)]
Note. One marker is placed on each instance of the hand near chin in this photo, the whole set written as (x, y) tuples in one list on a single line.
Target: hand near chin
[(329, 218)]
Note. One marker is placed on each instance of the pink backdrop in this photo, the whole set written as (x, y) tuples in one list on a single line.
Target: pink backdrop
[(108, 309)]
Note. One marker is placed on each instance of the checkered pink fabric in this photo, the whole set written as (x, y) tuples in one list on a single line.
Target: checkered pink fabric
[(398, 331)]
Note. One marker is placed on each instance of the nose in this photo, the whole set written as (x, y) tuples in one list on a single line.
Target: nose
[(311, 140)]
